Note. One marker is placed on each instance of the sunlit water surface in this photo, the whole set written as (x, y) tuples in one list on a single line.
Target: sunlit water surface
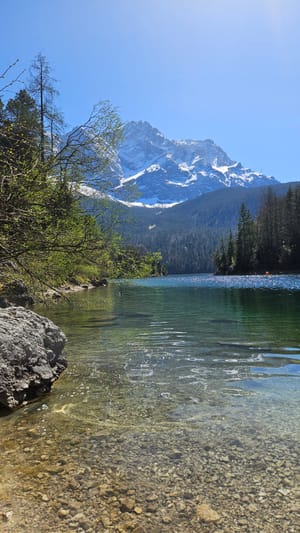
[(185, 387)]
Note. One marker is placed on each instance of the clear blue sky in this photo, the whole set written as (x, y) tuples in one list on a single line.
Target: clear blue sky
[(228, 70)]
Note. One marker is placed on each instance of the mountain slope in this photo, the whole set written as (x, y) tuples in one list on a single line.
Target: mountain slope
[(163, 172), (187, 234), (217, 209)]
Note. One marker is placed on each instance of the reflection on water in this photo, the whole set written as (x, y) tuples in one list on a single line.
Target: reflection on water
[(176, 386)]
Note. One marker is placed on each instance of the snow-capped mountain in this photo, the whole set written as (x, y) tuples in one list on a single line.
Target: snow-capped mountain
[(152, 171)]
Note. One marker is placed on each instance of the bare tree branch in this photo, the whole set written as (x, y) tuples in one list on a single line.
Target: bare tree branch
[(4, 74)]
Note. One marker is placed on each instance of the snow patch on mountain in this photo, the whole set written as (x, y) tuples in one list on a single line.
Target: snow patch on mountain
[(151, 170), (150, 206), (165, 172)]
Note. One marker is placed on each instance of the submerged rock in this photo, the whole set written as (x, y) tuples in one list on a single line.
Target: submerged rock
[(31, 357), (206, 513)]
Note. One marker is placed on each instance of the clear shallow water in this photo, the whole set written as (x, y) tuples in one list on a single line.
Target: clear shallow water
[(189, 381)]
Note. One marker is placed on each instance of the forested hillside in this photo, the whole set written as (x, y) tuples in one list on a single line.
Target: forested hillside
[(269, 242), (187, 235), (46, 237)]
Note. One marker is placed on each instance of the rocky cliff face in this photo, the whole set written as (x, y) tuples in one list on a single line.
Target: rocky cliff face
[(165, 172), (31, 357), (149, 170)]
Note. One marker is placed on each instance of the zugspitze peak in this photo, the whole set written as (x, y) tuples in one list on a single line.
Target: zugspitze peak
[(151, 170)]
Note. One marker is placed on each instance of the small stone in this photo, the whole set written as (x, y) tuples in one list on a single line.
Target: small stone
[(245, 499), (63, 512), (138, 510), (175, 455), (295, 508), (127, 505), (106, 490), (45, 498), (152, 507), (130, 525), (78, 516), (262, 494), (181, 507), (152, 498), (188, 495), (225, 459), (73, 504), (206, 513), (166, 519), (6, 516), (105, 521), (54, 470), (284, 492), (252, 508)]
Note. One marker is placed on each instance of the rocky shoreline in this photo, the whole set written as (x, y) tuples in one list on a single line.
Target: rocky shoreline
[(17, 292), (31, 346), (72, 287), (151, 483), (31, 359)]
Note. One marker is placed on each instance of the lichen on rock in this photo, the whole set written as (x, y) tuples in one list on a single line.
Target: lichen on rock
[(31, 357)]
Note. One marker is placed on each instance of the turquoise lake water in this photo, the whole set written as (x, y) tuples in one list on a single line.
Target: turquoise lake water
[(211, 338), (172, 367)]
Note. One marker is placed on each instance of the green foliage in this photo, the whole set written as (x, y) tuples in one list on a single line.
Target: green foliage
[(136, 262), (268, 231), (270, 242), (245, 242), (45, 236), (221, 259), (231, 253), (183, 251)]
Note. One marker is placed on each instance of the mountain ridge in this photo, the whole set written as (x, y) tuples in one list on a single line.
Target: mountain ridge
[(164, 172)]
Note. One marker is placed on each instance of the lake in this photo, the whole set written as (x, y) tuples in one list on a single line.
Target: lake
[(179, 412)]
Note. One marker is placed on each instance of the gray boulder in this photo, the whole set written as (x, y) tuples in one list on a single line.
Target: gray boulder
[(31, 357)]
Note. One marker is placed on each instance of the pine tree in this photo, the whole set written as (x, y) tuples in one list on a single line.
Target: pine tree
[(221, 259), (231, 254), (287, 230), (22, 126), (42, 88), (245, 243), (268, 232)]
